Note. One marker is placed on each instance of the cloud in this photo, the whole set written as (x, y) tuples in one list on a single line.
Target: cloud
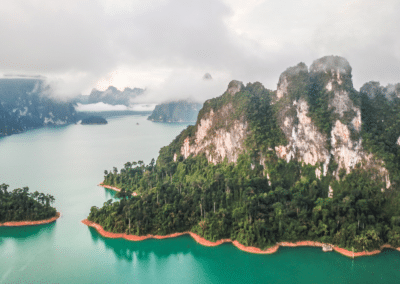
[(142, 107), (186, 84), (98, 107), (160, 44), (364, 32)]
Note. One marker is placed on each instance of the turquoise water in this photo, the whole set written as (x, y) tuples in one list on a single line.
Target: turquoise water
[(68, 162)]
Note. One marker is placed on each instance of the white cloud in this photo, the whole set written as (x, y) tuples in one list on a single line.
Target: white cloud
[(79, 45), (186, 84), (100, 107), (97, 107), (142, 107)]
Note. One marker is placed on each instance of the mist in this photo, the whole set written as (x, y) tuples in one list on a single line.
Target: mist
[(101, 107), (188, 85), (166, 46)]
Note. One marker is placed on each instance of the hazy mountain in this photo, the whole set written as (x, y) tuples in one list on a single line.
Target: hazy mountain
[(176, 111), (24, 104), (111, 96)]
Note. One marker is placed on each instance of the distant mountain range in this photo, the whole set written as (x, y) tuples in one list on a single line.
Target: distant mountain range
[(111, 96), (176, 111), (94, 120), (25, 104)]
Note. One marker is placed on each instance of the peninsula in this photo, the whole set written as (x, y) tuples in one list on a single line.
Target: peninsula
[(313, 162)]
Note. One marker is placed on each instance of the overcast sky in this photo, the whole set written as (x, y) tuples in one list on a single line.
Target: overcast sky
[(167, 46)]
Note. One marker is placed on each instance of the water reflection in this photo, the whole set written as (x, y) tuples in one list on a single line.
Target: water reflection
[(144, 250), (228, 263), (110, 194), (28, 232)]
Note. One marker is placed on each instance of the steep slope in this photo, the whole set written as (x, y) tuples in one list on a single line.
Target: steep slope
[(24, 104), (228, 125), (326, 123)]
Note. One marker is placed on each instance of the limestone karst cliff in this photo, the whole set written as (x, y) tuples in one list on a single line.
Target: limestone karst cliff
[(314, 118), (329, 79)]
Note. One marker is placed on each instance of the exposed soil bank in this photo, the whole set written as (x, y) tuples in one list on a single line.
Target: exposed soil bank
[(205, 242), (114, 188), (31, 223)]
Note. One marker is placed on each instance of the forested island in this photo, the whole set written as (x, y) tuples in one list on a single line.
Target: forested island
[(314, 160), (19, 207), (94, 120)]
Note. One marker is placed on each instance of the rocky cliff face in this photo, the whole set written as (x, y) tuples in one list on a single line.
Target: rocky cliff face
[(343, 144), (306, 143), (302, 93), (24, 104), (220, 144), (218, 141)]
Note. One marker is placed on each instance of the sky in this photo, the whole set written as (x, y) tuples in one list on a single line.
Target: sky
[(166, 46)]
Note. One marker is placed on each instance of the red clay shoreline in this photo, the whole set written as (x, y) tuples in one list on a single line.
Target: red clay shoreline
[(31, 223), (249, 249), (114, 188)]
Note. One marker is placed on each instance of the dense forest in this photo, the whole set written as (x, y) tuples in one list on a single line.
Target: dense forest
[(238, 202), (21, 205), (259, 205)]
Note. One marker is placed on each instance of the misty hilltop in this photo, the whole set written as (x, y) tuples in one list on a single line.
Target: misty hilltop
[(111, 96), (176, 111)]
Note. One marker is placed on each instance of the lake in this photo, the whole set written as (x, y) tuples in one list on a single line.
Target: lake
[(68, 162)]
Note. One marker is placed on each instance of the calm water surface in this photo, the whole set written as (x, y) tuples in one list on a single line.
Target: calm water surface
[(68, 162)]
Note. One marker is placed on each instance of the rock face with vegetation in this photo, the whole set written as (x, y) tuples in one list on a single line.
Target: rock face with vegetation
[(25, 104), (313, 160), (322, 118), (176, 111)]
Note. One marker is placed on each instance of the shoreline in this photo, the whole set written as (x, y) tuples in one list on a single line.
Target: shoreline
[(114, 188), (30, 223), (249, 249)]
